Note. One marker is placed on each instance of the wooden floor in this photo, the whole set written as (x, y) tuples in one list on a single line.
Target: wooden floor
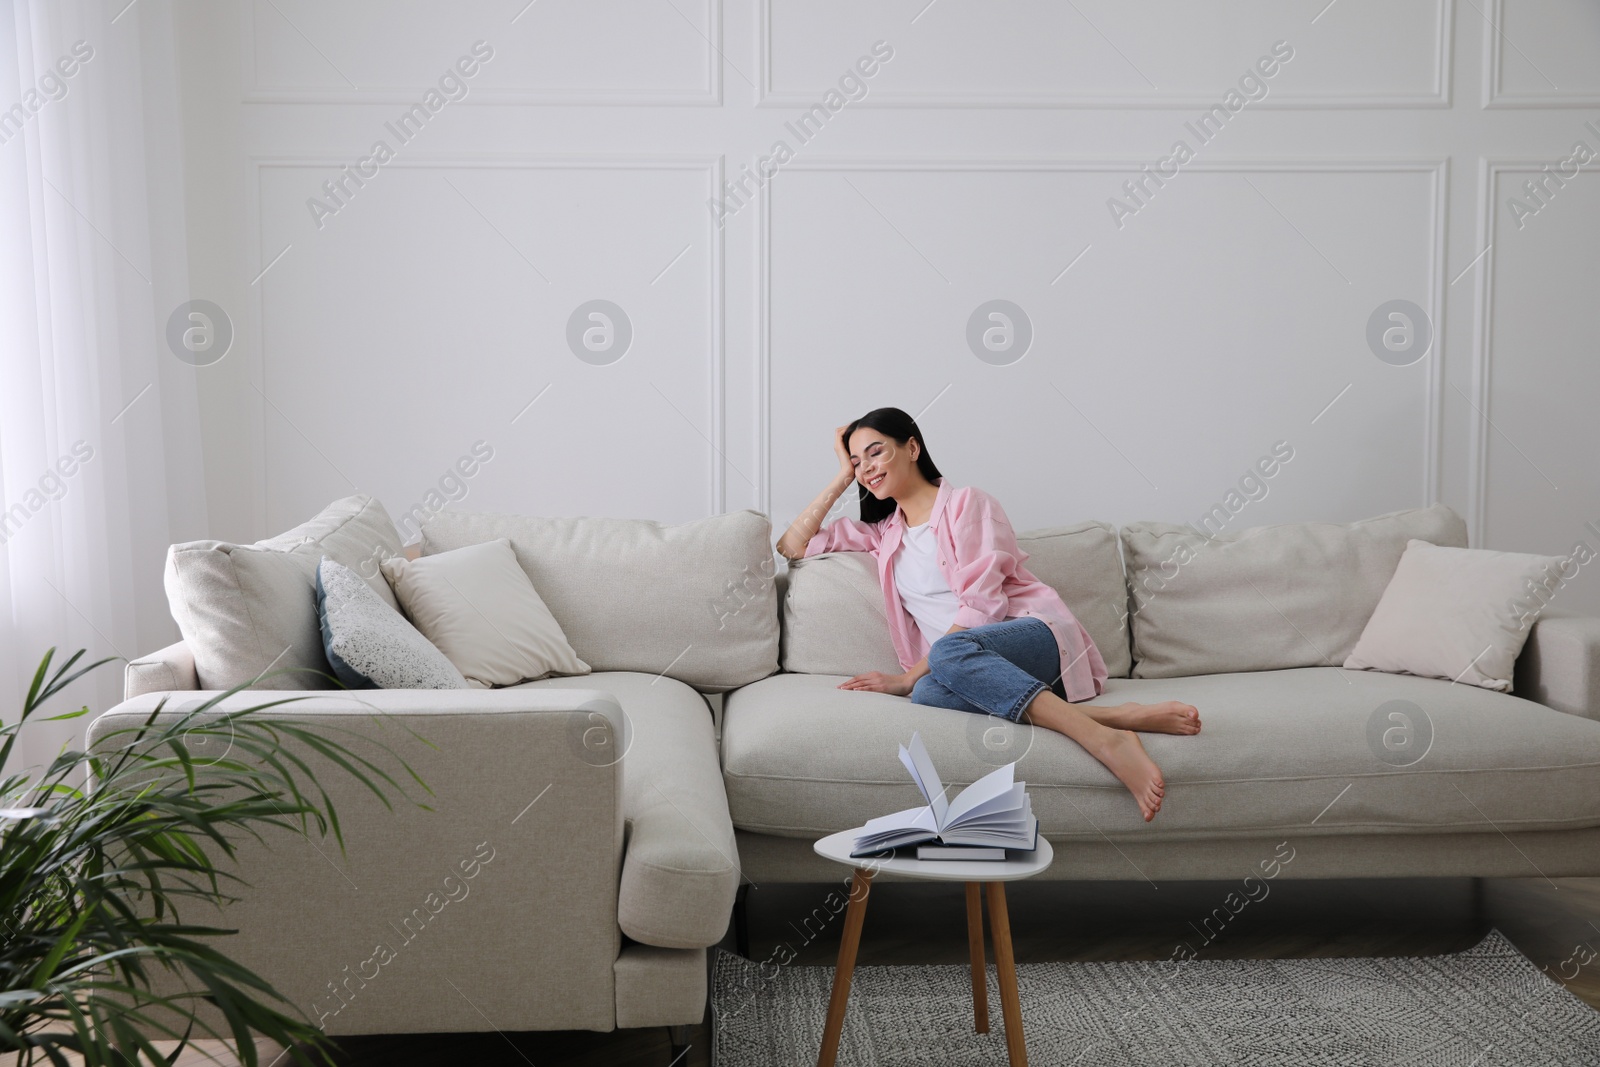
[(1556, 924)]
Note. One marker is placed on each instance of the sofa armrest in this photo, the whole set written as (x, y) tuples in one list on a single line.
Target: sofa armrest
[(681, 872), (170, 669), (498, 904), (1560, 665)]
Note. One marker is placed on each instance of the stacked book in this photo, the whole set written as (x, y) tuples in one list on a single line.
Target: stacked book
[(986, 818)]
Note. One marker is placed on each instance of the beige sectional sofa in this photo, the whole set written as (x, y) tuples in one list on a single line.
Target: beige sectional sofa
[(711, 746)]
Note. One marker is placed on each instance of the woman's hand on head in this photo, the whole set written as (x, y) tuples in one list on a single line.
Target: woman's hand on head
[(878, 682), (841, 451)]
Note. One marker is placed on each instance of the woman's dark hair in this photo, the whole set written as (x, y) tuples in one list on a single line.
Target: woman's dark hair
[(896, 424)]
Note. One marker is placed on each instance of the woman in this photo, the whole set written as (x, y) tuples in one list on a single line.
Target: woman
[(988, 637)]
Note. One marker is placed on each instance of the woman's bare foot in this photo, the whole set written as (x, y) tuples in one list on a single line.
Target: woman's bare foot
[(1167, 717), (1126, 758), (1119, 750)]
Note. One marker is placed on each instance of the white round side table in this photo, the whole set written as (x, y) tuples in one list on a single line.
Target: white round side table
[(991, 876)]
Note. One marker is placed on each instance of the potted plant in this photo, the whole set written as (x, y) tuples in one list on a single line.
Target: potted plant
[(98, 851)]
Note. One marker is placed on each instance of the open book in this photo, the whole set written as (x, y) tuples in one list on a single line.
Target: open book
[(992, 812)]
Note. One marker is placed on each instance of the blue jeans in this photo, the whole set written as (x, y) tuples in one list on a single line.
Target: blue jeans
[(993, 669)]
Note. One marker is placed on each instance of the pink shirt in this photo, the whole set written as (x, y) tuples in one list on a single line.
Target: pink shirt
[(980, 558)]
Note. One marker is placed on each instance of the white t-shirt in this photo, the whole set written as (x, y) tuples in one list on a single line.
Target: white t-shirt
[(921, 584)]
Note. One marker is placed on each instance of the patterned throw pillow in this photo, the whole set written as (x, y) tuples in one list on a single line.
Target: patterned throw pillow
[(369, 644)]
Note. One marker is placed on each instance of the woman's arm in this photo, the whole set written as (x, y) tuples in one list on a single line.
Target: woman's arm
[(898, 684), (792, 545)]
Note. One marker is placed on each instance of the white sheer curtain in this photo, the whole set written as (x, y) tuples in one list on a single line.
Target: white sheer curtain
[(99, 441)]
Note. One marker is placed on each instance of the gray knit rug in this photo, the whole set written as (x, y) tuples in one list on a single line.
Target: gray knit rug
[(1485, 1007)]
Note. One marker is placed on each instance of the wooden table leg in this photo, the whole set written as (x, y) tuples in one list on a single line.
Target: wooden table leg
[(980, 983), (1005, 966), (853, 918)]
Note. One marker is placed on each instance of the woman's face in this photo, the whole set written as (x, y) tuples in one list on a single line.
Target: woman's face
[(883, 465)]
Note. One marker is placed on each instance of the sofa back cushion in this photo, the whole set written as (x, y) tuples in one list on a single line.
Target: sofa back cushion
[(247, 609), (833, 611), (696, 601), (1081, 562), (833, 616), (1265, 598)]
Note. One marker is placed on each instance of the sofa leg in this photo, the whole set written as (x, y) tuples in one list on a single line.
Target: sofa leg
[(741, 921), (711, 1032), (681, 1038)]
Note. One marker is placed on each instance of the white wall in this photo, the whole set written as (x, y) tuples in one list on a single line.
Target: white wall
[(1228, 312)]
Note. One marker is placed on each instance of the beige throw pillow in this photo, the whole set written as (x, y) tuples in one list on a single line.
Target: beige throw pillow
[(477, 605), (1457, 613)]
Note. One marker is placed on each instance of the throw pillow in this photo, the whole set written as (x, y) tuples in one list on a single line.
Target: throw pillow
[(1457, 613), (478, 606), (249, 610), (368, 643)]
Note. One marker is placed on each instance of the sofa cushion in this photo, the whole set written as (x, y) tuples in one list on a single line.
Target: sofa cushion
[(680, 867), (1083, 564), (1307, 751), (695, 601), (1461, 614), (833, 616), (478, 606), (245, 609), (370, 645), (833, 610), (1268, 597)]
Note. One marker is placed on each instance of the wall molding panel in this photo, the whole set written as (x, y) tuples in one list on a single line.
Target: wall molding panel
[(1435, 170), (1436, 96), (711, 168), (1483, 429), (288, 93), (1496, 47)]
